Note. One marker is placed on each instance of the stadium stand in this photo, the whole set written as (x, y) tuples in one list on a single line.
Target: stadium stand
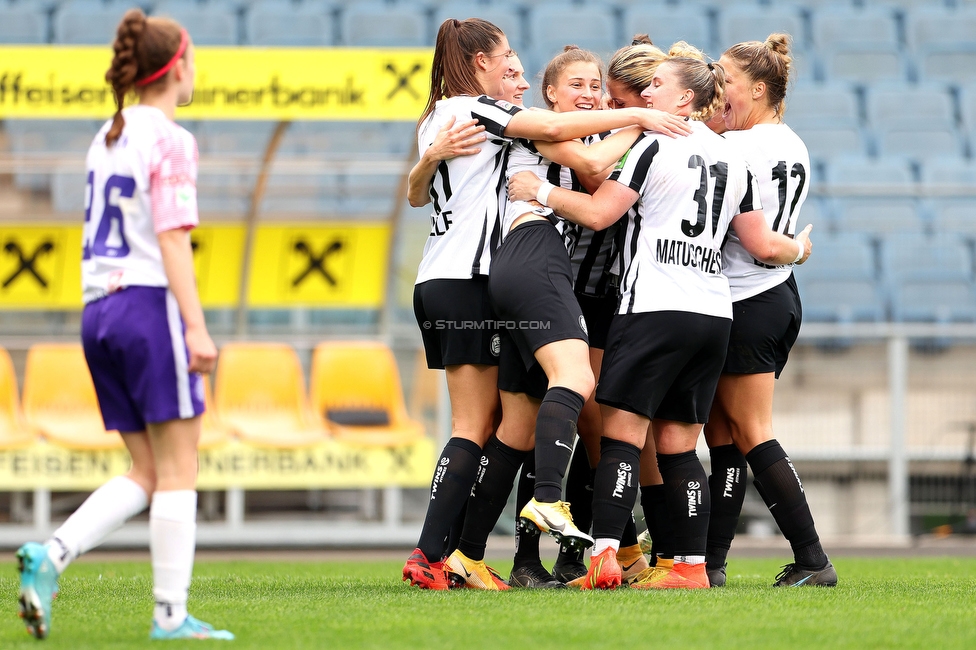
[(210, 24), (260, 395), (59, 398), (355, 389), (13, 432), (552, 25), (279, 22), (930, 278), (753, 22), (668, 24), (839, 283), (86, 22), (22, 23), (508, 17), (380, 24)]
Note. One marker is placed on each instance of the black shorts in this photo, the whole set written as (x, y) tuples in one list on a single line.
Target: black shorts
[(514, 377), (598, 311), (532, 289), (764, 329), (664, 364), (457, 322)]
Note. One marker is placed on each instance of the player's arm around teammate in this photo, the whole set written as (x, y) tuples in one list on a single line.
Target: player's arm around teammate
[(140, 294), (767, 314)]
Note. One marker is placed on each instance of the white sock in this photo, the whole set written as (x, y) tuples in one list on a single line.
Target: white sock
[(690, 559), (603, 543), (104, 511), (172, 540)]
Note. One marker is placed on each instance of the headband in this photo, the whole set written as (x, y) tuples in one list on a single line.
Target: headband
[(184, 41)]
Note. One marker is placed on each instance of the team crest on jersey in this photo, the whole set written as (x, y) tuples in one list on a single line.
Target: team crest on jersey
[(583, 325), (496, 345), (623, 160), (502, 104)]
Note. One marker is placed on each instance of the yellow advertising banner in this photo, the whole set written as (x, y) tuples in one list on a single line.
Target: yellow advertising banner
[(329, 464), (337, 265), (250, 83)]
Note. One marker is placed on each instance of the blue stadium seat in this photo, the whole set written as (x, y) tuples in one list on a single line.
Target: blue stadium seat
[(87, 22), (233, 137), (928, 25), (953, 215), (68, 190), (877, 216), (882, 211), (667, 24), (754, 23), (930, 278), (917, 142), (22, 23), (208, 24), (838, 283), (901, 104), (903, 5), (351, 139), (948, 171), (952, 63), (48, 136), (279, 22), (933, 301), (840, 257), (864, 63), (553, 25), (834, 26), (821, 105), (508, 18), (825, 141), (381, 24)]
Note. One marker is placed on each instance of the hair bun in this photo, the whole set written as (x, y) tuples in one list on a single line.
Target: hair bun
[(570, 48), (778, 43), (642, 39)]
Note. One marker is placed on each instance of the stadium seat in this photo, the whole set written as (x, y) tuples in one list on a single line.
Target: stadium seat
[(840, 300), (952, 63), (918, 141), (825, 142), (507, 16), (26, 24), (821, 105), (833, 26), (864, 63), (967, 108), (667, 24), (13, 432), (68, 189), (209, 24), (940, 257), (213, 433), (260, 395), (927, 26), (880, 173), (933, 301), (900, 104), (59, 398), (840, 257), (380, 24), (553, 25), (940, 172), (953, 215), (279, 22), (754, 23), (355, 389), (879, 209), (87, 22), (898, 4), (424, 390)]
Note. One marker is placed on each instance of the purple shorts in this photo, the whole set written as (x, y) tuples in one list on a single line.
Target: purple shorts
[(137, 355)]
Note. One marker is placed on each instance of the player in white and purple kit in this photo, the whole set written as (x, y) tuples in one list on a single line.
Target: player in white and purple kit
[(142, 329)]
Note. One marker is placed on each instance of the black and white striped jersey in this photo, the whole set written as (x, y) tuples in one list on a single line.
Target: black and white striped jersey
[(779, 160), (690, 188), (523, 157), (465, 223)]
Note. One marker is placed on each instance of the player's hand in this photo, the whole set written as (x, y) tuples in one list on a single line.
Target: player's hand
[(455, 140), (804, 238), (523, 186), (203, 352), (666, 123)]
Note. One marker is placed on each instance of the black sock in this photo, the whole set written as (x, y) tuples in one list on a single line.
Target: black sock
[(454, 537), (493, 483), (629, 536), (449, 491), (727, 487), (555, 431), (579, 489), (686, 493), (658, 521), (779, 486), (615, 488), (526, 543)]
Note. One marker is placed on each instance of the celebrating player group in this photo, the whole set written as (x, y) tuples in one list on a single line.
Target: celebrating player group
[(629, 257)]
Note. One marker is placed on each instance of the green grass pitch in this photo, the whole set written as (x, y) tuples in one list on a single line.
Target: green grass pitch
[(880, 603)]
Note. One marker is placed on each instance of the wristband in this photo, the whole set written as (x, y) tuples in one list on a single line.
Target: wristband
[(542, 194), (800, 252)]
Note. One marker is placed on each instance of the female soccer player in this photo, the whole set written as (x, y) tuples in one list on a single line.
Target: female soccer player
[(451, 301), (767, 313), (667, 341), (142, 329)]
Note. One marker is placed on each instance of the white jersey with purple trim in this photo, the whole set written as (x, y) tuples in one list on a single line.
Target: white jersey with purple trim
[(142, 185), (466, 222), (779, 160), (690, 188)]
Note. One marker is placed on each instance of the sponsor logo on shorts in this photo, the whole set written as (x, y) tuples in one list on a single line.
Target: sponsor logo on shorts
[(583, 325), (496, 345)]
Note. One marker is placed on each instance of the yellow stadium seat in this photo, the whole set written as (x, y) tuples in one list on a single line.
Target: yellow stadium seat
[(425, 390), (260, 395), (59, 398), (355, 389), (13, 432), (214, 433)]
